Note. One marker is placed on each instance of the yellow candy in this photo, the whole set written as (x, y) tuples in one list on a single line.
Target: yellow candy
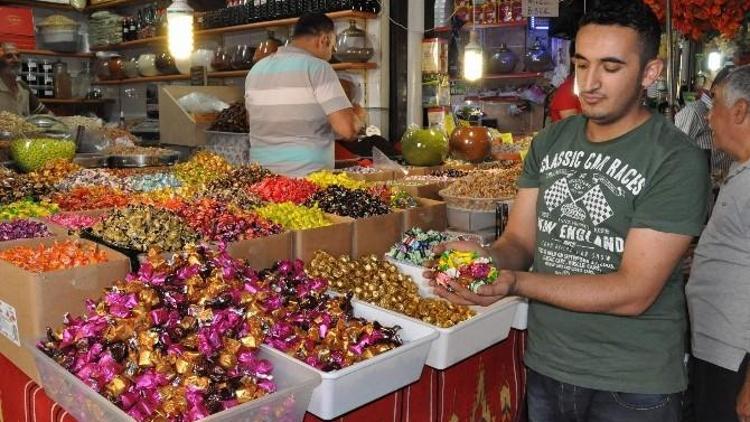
[(294, 217), (324, 178)]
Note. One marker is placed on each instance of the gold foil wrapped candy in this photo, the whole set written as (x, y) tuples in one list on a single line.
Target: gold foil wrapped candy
[(379, 282)]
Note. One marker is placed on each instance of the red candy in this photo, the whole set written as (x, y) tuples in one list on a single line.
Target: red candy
[(215, 221), (90, 198), (282, 189)]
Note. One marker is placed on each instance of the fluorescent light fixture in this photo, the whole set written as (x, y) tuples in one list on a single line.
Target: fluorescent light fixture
[(473, 58), (714, 61), (180, 29)]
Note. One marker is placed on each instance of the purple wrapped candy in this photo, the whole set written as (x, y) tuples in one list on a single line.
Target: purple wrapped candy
[(23, 229)]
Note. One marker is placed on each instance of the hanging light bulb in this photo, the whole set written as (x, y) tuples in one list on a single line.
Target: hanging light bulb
[(180, 29), (473, 58)]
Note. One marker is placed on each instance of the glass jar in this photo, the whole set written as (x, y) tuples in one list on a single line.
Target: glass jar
[(502, 61), (242, 58), (222, 60), (165, 64), (101, 66), (266, 47), (116, 70), (538, 58), (352, 45), (130, 68), (147, 65), (63, 85)]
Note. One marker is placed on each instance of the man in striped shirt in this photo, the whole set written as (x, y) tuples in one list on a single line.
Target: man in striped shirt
[(296, 104), (693, 120)]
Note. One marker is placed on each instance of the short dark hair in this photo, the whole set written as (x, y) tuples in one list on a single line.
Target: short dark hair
[(723, 73), (632, 14), (312, 24)]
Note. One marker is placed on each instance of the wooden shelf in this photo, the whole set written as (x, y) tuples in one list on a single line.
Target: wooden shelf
[(225, 74), (144, 79), (116, 3), (354, 66), (520, 75), (56, 101), (39, 4), (131, 44), (469, 26), (55, 53), (346, 14)]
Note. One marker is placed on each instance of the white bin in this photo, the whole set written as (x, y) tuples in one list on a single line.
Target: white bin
[(351, 387), (491, 325), (295, 382), (415, 272)]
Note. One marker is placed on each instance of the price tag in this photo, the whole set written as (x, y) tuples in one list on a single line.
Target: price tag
[(506, 138), (541, 8)]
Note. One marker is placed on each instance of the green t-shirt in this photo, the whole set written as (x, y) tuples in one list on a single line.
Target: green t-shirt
[(590, 195)]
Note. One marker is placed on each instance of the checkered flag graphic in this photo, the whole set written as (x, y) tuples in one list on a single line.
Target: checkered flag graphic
[(556, 194), (596, 205)]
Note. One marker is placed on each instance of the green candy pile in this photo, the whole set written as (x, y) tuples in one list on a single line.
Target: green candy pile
[(32, 154), (27, 209)]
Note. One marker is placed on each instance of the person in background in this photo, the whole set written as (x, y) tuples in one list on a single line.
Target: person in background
[(718, 291), (296, 105), (565, 102), (15, 96), (607, 205), (693, 120)]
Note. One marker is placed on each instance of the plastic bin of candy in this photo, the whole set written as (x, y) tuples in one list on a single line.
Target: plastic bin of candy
[(415, 272), (489, 326), (295, 382), (351, 387)]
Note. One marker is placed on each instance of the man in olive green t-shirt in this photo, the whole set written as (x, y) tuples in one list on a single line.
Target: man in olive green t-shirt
[(607, 205)]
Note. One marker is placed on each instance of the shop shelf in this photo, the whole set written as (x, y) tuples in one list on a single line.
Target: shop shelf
[(40, 4), (469, 26), (510, 76), (131, 44), (346, 14), (227, 74), (54, 101), (54, 53), (144, 79), (116, 3)]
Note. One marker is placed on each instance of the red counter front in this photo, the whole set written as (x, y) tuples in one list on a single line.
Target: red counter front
[(488, 386)]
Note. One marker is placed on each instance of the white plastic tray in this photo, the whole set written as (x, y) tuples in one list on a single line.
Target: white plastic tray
[(491, 325), (415, 272), (349, 388), (295, 383)]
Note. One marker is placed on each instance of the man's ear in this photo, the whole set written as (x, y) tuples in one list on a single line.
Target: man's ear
[(739, 111), (651, 72)]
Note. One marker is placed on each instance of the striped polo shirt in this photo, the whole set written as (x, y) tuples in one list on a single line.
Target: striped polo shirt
[(289, 96)]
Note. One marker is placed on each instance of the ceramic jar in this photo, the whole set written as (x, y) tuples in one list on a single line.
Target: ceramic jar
[(502, 61), (538, 58), (472, 143)]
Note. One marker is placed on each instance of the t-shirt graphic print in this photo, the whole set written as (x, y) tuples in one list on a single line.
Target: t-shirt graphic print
[(590, 195)]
